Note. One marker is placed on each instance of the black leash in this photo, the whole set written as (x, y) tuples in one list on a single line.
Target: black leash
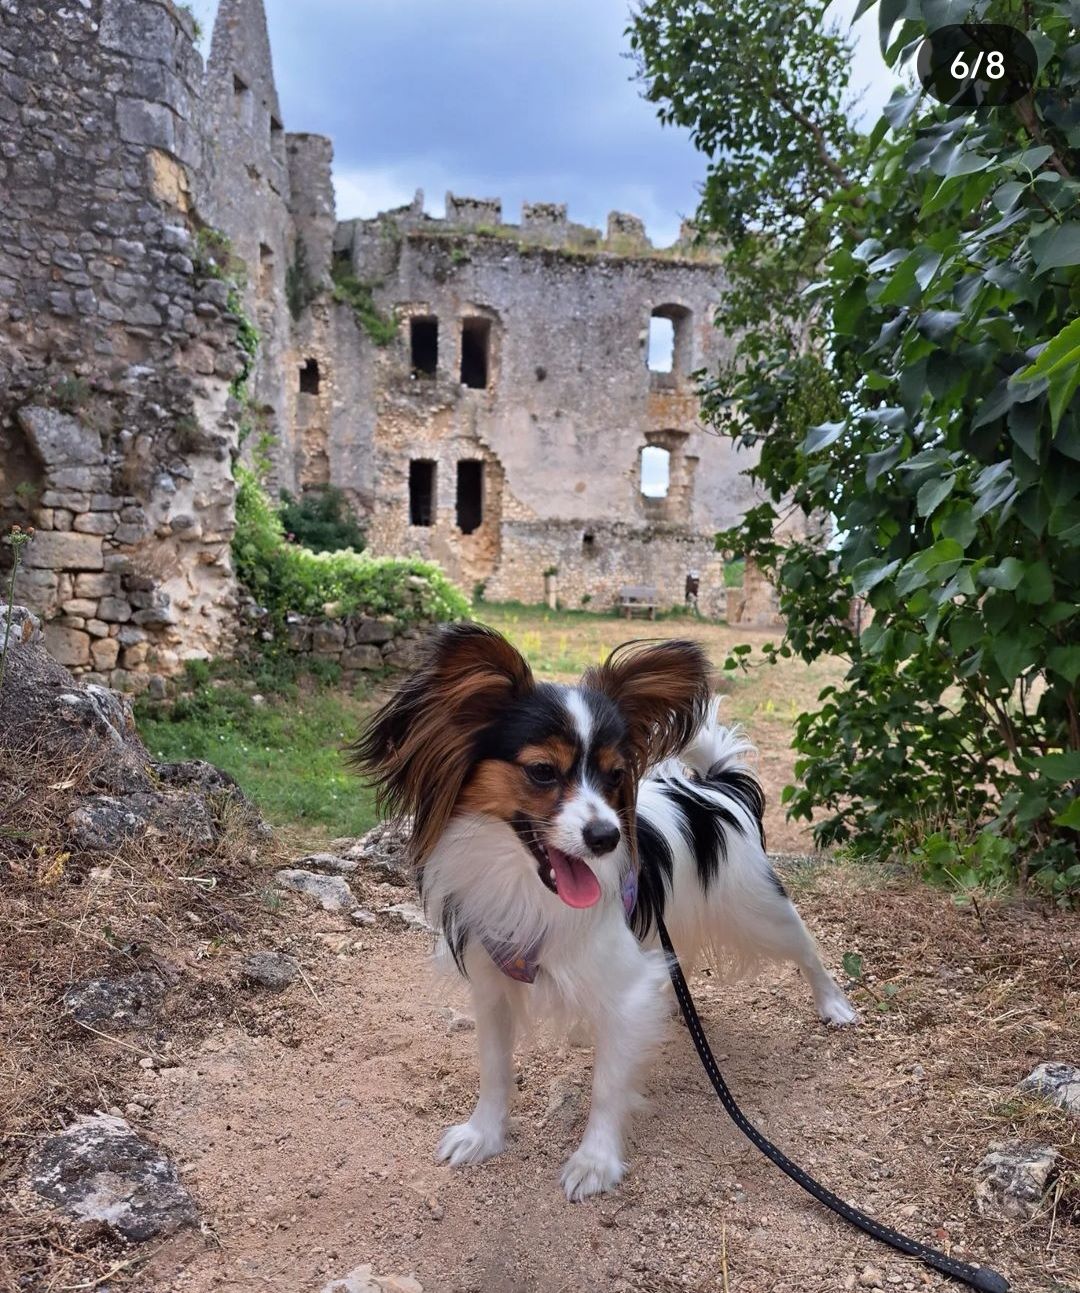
[(978, 1277)]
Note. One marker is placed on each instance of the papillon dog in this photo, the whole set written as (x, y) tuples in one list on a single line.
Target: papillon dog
[(552, 825)]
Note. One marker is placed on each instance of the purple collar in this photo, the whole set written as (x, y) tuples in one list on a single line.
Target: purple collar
[(523, 964)]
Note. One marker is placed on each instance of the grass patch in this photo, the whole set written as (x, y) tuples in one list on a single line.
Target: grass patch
[(284, 748)]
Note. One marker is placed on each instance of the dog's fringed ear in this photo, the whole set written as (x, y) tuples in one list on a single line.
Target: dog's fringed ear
[(418, 747), (662, 690)]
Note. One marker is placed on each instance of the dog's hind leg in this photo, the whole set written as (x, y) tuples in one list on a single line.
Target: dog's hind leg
[(484, 1135), (764, 922)]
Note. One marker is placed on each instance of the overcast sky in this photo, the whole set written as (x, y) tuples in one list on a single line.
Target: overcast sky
[(527, 100)]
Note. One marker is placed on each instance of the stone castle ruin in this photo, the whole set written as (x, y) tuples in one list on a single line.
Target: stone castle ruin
[(480, 390)]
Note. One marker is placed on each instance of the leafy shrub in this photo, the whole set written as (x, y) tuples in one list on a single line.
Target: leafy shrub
[(320, 519), (284, 577), (921, 390), (349, 290)]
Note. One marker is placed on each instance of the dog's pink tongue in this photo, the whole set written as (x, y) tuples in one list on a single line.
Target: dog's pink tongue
[(574, 880)]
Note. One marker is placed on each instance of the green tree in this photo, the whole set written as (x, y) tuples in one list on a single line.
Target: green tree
[(922, 394)]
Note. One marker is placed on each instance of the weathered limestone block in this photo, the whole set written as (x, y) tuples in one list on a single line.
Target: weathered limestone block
[(114, 610), (95, 523), (328, 639), (105, 654), (374, 631), (362, 657), (60, 440), (51, 550), (70, 647)]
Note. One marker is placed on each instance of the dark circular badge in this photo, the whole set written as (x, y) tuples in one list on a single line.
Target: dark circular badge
[(977, 65)]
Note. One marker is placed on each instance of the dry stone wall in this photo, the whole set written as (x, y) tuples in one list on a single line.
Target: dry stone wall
[(116, 353)]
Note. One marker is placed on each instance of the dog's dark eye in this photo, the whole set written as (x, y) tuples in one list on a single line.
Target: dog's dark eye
[(614, 778), (543, 774)]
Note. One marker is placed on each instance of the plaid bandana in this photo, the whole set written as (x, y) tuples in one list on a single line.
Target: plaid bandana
[(522, 964)]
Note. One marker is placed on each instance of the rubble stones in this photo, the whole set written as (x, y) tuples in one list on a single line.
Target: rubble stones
[(1059, 1083), (384, 850), (362, 1280), (329, 891), (328, 862), (407, 914), (273, 970), (1012, 1179), (100, 1170), (131, 1001)]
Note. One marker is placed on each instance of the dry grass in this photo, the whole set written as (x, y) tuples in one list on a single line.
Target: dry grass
[(992, 987), (176, 911)]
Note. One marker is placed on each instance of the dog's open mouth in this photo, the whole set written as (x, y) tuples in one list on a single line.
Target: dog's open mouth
[(569, 877)]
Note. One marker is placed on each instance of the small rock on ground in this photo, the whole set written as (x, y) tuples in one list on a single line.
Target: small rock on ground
[(1012, 1179), (131, 1000), (273, 970), (408, 914), (361, 916), (362, 1280), (99, 1170), (871, 1278), (329, 891), (458, 1022), (1058, 1083), (384, 850), (331, 862)]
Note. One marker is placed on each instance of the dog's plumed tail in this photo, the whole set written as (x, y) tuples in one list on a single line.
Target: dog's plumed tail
[(715, 749)]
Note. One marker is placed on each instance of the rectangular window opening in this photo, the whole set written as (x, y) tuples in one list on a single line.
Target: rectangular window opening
[(422, 492), (470, 494), (424, 343), (309, 378), (475, 344), (243, 100)]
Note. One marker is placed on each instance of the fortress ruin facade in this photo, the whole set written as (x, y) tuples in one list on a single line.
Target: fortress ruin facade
[(480, 389)]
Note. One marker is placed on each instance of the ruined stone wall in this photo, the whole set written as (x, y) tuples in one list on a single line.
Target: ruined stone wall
[(116, 354), (313, 381), (245, 190), (568, 408)]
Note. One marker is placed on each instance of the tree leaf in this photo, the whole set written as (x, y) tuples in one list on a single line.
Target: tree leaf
[(868, 574), (1058, 247), (1007, 575), (820, 437), (932, 494)]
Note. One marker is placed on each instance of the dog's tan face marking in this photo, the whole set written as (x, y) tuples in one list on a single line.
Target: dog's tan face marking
[(505, 790)]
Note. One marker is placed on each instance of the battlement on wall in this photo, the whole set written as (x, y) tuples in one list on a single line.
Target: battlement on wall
[(541, 224)]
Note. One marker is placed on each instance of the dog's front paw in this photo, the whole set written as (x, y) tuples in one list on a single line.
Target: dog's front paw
[(468, 1142), (591, 1171), (838, 1011)]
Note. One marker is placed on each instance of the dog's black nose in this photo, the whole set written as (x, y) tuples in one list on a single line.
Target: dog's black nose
[(601, 837)]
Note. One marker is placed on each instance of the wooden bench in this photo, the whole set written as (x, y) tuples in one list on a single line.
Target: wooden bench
[(638, 597)]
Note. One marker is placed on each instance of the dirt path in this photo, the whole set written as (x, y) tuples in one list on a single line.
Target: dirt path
[(308, 1134)]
